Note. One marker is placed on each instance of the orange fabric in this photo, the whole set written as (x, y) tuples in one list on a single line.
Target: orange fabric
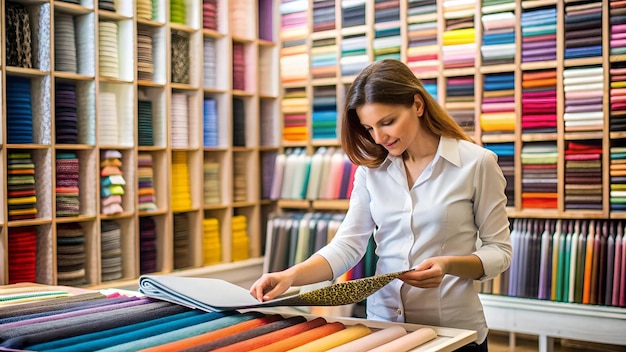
[(532, 75), (213, 335), (588, 265), (302, 338), (264, 340), (539, 83)]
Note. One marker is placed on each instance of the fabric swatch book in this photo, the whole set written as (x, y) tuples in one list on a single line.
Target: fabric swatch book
[(211, 295)]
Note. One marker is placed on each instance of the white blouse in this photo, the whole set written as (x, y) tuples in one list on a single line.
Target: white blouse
[(457, 206)]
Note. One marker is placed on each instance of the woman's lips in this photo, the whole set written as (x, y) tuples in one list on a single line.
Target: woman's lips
[(391, 145)]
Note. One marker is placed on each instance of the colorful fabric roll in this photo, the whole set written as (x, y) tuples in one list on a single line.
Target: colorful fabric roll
[(539, 101), (498, 103), (539, 175), (538, 28)]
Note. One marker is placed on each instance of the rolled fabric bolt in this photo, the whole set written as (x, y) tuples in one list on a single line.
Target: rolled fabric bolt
[(333, 340), (408, 341), (373, 340)]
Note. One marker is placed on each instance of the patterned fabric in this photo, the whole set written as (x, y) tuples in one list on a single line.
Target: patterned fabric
[(18, 32)]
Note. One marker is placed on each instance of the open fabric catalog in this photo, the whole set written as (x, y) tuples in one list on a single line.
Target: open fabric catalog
[(212, 295)]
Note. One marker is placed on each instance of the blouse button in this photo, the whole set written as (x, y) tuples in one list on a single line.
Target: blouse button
[(399, 311)]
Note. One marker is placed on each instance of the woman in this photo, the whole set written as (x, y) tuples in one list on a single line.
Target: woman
[(433, 200)]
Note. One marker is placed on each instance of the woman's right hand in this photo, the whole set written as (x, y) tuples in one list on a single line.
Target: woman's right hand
[(271, 285)]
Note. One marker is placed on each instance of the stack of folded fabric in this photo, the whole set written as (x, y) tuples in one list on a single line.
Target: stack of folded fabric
[(387, 40), (618, 175), (498, 103), (211, 244), (67, 191), (71, 255), (538, 28), (106, 5), (423, 49), (617, 91), (19, 118), (209, 14), (181, 191), (212, 189), (460, 101), (240, 241), (177, 11), (539, 175), (324, 58), (539, 101), (112, 182), (111, 251), (618, 27), (147, 245), (584, 92), (145, 189), (323, 15), (583, 175), (498, 46), (295, 106), (21, 198), (22, 254), (181, 241), (583, 29), (324, 115), (66, 113), (459, 36), (209, 63), (144, 9)]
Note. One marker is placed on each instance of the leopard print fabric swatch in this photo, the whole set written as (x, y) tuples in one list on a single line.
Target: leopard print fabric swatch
[(348, 292), (19, 37)]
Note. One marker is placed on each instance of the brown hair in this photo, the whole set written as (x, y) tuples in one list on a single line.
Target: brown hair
[(388, 82)]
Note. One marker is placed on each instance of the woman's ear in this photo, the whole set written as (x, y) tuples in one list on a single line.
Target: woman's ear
[(419, 104)]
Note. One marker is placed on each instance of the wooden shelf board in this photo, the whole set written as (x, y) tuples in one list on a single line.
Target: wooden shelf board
[(69, 76), (71, 219), (617, 215), (74, 146), (215, 206), (114, 80), (331, 204), (25, 72), (427, 74), (149, 84), (211, 33), (328, 34), (184, 210), (216, 149), (263, 95), (555, 214), (293, 144), (582, 61), (572, 136), (266, 43), (498, 138), (152, 212), (538, 65), (30, 222), (155, 148), (530, 4), (149, 23), (539, 137), (27, 146), (267, 202), (316, 82), (243, 204), (268, 148), (122, 215), (243, 40), (117, 147), (183, 86), (70, 9), (214, 91), (355, 30), (113, 16), (243, 149), (454, 72), (242, 93), (293, 204), (498, 68), (325, 142), (183, 28)]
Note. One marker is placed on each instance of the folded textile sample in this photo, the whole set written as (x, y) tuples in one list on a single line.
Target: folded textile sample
[(215, 294)]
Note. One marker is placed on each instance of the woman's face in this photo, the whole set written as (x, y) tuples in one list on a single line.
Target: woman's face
[(395, 127)]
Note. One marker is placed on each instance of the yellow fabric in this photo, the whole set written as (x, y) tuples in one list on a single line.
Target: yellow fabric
[(333, 340)]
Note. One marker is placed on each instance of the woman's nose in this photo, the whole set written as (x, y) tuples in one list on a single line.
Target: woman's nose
[(378, 136)]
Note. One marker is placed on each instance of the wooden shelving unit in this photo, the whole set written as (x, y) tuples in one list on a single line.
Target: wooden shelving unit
[(438, 75), (128, 88)]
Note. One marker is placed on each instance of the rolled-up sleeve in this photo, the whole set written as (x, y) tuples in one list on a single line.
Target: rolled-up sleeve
[(491, 217)]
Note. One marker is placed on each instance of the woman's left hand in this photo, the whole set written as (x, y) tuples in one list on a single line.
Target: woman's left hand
[(428, 274)]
